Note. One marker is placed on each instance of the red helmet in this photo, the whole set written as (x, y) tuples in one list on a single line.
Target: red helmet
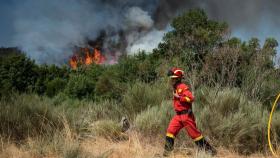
[(175, 73)]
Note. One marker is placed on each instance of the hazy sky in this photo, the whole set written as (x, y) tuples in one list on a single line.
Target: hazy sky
[(6, 25)]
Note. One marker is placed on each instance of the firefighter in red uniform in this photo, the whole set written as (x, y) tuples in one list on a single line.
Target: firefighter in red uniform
[(184, 118)]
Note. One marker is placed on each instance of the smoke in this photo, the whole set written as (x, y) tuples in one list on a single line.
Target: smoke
[(145, 37), (136, 17), (147, 42), (48, 30)]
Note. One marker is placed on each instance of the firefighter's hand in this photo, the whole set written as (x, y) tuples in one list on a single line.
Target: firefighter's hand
[(175, 95)]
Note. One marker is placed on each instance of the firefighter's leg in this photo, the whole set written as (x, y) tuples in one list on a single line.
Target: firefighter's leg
[(172, 130), (204, 145), (196, 135), (169, 144)]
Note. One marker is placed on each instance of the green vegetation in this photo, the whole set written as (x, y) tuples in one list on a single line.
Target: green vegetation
[(234, 82)]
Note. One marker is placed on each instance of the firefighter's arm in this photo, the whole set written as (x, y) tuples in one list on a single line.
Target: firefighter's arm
[(186, 96)]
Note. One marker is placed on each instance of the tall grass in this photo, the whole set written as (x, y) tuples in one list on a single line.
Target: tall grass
[(87, 112), (63, 143), (225, 115), (154, 120), (23, 116), (140, 96), (108, 129), (232, 120)]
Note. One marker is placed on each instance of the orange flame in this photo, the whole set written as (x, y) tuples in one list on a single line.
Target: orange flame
[(74, 62), (89, 58), (98, 57)]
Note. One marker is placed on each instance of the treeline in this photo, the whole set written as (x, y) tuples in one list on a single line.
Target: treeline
[(22, 75)]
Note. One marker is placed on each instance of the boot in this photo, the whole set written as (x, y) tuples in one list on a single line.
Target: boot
[(204, 145), (169, 146)]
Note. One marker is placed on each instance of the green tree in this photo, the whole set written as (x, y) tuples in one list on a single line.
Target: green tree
[(47, 73), (17, 72), (54, 86), (193, 36), (110, 84), (80, 86)]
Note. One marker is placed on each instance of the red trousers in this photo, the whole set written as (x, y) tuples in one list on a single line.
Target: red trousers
[(186, 121)]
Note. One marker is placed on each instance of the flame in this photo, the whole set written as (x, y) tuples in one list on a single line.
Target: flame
[(98, 57), (89, 58), (74, 62)]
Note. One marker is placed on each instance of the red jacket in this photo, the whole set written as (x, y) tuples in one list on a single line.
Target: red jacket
[(184, 102)]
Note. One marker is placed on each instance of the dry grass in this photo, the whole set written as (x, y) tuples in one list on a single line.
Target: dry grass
[(136, 146), (12, 151), (133, 147)]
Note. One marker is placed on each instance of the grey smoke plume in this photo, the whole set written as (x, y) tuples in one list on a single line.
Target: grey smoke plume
[(146, 42), (48, 30), (136, 17)]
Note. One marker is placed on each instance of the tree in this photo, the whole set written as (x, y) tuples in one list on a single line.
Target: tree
[(54, 86), (193, 36), (47, 73), (17, 72), (80, 86)]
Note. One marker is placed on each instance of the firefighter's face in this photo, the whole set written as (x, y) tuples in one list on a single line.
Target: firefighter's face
[(173, 81)]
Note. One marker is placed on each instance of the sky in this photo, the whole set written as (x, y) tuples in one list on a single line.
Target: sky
[(47, 28), (7, 18)]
